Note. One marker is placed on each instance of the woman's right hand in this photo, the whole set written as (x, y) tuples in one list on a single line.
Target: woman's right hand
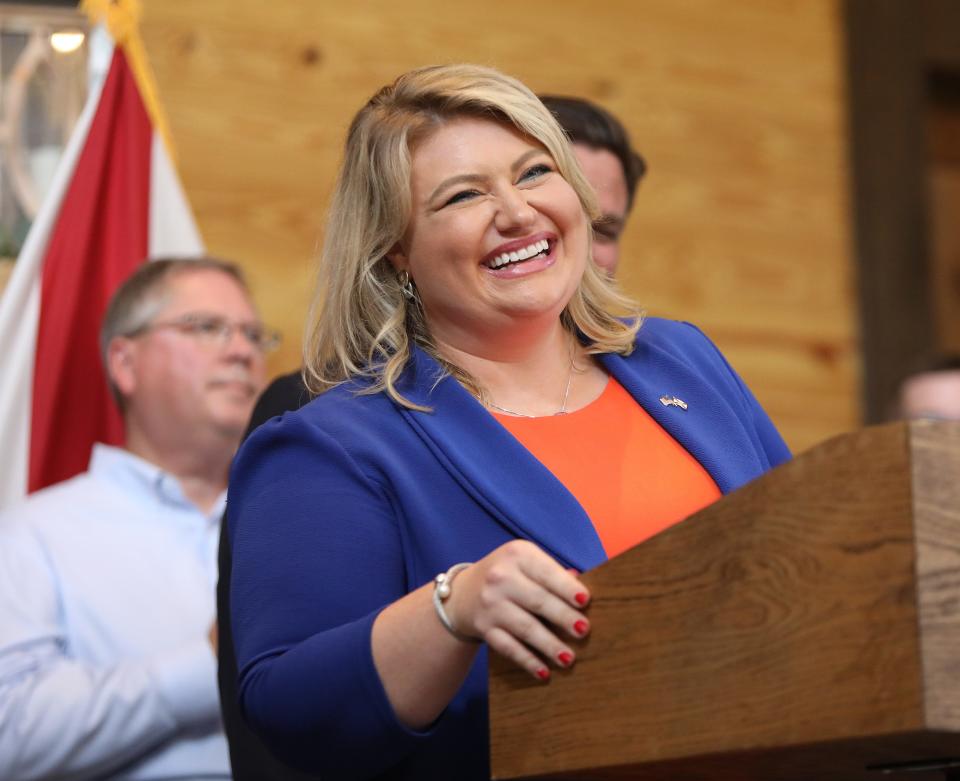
[(523, 604)]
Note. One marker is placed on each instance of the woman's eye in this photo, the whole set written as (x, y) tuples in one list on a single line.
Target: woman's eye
[(463, 195), (536, 170)]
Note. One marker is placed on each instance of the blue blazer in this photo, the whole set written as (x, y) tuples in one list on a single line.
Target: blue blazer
[(342, 507)]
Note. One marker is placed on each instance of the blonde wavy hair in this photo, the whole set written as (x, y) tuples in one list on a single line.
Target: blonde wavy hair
[(360, 323)]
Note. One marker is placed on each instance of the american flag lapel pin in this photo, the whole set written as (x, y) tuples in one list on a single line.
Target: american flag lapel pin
[(672, 401)]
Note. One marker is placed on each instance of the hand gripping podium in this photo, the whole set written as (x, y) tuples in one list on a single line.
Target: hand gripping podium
[(804, 627)]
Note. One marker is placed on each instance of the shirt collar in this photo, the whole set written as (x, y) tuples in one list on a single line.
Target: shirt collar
[(124, 468)]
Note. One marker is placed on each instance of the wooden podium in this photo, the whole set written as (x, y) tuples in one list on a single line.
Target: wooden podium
[(804, 627)]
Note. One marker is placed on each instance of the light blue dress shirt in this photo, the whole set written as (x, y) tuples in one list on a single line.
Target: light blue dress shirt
[(107, 596)]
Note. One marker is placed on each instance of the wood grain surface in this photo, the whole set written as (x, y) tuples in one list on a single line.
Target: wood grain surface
[(936, 490), (741, 225), (774, 633)]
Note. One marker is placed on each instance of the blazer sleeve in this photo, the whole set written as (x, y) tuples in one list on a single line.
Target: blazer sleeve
[(316, 555)]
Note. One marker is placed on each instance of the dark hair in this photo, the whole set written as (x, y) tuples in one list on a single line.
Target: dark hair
[(587, 123)]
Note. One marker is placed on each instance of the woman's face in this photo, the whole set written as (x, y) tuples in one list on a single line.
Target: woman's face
[(497, 237)]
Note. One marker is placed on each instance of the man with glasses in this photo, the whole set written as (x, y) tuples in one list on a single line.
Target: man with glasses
[(107, 623)]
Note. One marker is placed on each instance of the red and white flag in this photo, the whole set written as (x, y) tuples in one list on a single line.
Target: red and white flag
[(114, 201)]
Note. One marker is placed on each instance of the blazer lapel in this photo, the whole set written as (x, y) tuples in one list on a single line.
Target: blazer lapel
[(495, 469), (708, 428)]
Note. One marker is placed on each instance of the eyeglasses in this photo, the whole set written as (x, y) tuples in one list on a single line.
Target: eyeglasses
[(216, 330)]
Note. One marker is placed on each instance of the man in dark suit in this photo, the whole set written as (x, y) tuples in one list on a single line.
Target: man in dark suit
[(251, 760)]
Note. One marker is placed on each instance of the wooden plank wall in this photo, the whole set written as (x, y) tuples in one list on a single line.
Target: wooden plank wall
[(741, 227)]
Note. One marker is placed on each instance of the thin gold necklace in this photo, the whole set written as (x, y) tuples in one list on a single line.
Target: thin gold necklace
[(563, 404)]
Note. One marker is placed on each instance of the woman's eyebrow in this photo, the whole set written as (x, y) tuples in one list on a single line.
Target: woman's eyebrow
[(458, 179), (521, 161), (471, 178)]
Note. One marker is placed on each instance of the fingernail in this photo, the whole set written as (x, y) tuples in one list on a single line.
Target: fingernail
[(543, 673), (565, 658), (581, 627), (581, 597), (573, 570)]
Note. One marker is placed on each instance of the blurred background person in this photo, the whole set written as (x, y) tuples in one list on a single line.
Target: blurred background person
[(427, 505), (602, 147), (107, 623), (933, 389)]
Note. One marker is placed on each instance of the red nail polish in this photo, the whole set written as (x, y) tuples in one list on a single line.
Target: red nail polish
[(565, 658), (581, 598), (543, 673), (581, 627)]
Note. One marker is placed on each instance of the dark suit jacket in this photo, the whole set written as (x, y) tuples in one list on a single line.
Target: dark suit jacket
[(251, 760)]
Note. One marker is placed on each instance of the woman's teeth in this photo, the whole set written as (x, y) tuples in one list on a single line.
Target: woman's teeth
[(521, 254)]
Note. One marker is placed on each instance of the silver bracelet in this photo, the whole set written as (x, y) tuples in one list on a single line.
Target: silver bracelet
[(441, 592)]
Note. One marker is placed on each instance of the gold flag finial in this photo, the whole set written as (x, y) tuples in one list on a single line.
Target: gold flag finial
[(122, 20)]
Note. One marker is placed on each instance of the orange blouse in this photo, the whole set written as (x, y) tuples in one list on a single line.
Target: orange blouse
[(632, 478)]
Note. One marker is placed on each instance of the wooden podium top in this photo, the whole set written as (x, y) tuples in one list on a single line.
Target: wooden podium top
[(804, 627)]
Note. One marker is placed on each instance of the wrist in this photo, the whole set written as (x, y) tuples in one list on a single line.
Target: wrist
[(442, 591)]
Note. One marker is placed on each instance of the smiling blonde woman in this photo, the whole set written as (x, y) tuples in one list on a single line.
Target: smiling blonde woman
[(492, 414)]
